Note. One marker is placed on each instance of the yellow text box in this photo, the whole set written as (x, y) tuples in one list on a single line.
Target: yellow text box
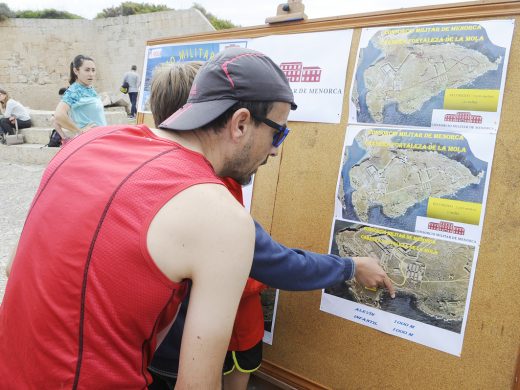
[(471, 99), (454, 210)]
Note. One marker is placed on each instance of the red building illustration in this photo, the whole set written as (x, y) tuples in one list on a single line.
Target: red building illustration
[(311, 74), (296, 72), (447, 227), (464, 117), (292, 70)]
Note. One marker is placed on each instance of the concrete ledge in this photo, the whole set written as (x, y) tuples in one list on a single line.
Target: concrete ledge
[(116, 117), (36, 135), (33, 151), (27, 153), (41, 118)]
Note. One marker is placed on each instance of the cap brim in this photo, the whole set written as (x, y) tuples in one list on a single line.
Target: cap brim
[(195, 115)]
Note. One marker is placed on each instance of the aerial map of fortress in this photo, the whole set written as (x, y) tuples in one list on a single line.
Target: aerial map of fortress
[(409, 67), (399, 175), (432, 274)]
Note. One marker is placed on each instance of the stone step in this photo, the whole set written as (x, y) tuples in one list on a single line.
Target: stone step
[(41, 118), (33, 151), (36, 135), (117, 118), (116, 108), (27, 153)]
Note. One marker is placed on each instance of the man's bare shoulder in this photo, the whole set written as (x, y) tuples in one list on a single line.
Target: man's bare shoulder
[(196, 226)]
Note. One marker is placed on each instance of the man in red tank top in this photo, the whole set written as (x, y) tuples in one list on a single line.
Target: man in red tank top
[(96, 283), (169, 91)]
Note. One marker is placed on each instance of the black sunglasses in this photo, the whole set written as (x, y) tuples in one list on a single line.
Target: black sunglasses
[(281, 131)]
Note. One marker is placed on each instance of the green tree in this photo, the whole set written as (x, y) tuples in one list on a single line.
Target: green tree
[(5, 12), (131, 8), (49, 13), (219, 24)]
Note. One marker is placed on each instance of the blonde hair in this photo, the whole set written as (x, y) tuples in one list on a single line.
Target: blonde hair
[(171, 84), (4, 92)]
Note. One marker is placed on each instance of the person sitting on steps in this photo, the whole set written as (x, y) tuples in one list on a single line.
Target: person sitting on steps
[(12, 111)]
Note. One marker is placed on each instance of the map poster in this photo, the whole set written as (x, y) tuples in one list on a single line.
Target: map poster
[(171, 53), (316, 66), (429, 182), (433, 280), (269, 299), (437, 75)]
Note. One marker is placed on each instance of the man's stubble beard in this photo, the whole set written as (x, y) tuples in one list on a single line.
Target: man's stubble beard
[(234, 167)]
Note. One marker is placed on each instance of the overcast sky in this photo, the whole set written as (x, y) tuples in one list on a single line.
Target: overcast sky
[(241, 12)]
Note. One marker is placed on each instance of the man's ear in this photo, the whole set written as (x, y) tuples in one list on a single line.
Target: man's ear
[(240, 123)]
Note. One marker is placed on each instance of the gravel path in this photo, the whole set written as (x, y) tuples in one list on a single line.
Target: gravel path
[(18, 184)]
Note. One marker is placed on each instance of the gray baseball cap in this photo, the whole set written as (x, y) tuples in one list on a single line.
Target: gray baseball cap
[(234, 74)]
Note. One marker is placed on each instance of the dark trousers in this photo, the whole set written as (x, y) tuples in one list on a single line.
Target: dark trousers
[(8, 127), (133, 100), (162, 382)]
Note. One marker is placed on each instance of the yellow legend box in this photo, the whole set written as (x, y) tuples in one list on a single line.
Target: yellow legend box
[(454, 210), (471, 99)]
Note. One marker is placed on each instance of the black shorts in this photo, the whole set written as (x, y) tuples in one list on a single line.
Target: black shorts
[(244, 361)]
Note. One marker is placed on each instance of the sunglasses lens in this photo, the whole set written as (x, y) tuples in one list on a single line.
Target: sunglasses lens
[(279, 137)]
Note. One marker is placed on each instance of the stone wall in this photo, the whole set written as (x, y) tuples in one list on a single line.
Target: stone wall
[(35, 53)]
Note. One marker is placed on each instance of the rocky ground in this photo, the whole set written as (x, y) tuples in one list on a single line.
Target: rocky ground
[(18, 184)]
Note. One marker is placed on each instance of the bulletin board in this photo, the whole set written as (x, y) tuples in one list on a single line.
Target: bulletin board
[(294, 196)]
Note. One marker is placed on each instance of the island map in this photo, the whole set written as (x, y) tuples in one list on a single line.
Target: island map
[(405, 73), (389, 176), (430, 276)]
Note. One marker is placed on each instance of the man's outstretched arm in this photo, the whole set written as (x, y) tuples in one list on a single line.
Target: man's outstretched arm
[(298, 270)]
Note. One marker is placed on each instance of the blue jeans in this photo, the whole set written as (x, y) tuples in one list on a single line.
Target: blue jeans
[(133, 100)]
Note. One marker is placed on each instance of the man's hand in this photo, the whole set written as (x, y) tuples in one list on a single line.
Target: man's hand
[(370, 274)]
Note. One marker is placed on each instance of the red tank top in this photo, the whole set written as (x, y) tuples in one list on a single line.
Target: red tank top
[(85, 304)]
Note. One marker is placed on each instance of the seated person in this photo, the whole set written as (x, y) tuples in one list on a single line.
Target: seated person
[(13, 111)]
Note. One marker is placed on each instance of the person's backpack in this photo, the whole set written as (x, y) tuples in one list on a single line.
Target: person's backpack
[(54, 139), (124, 87)]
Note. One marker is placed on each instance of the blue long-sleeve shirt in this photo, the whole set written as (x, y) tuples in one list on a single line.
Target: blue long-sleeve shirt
[(296, 269), (275, 265)]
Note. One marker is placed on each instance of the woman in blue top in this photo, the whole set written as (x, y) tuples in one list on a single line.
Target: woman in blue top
[(80, 107)]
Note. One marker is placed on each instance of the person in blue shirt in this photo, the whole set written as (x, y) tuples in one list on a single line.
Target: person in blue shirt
[(273, 264), (80, 107), (133, 80)]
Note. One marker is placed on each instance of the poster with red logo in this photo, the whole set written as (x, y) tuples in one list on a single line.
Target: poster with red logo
[(316, 66), (415, 200), (444, 75), (424, 112)]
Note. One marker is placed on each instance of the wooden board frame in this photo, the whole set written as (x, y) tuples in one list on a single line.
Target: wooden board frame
[(312, 348)]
